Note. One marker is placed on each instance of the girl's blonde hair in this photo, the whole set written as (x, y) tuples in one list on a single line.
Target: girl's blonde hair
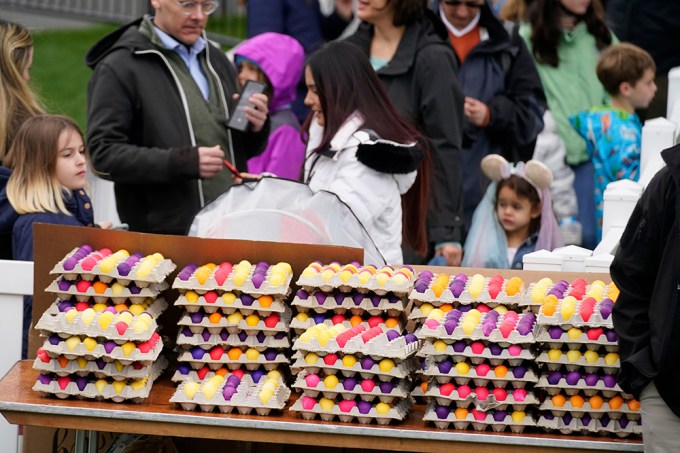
[(33, 185), (17, 101)]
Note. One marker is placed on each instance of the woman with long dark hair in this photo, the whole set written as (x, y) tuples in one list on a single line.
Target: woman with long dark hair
[(364, 151), (566, 38)]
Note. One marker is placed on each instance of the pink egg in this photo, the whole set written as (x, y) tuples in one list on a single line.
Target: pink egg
[(515, 350), (347, 405), (506, 329), (482, 393), (312, 380), (479, 415), (477, 347), (446, 389), (367, 385), (482, 369), (330, 359), (432, 324), (464, 391), (519, 395), (308, 402), (375, 321)]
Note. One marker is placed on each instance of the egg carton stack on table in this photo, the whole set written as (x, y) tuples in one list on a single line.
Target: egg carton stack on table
[(477, 361), (233, 337), (102, 339), (579, 358), (354, 373)]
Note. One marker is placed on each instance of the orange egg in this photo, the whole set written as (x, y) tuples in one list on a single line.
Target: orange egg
[(222, 371), (392, 322), (446, 307), (215, 317), (616, 402), (423, 386), (234, 353), (558, 400), (596, 402), (501, 371), (634, 405), (265, 301), (355, 320), (99, 287), (461, 413), (577, 401)]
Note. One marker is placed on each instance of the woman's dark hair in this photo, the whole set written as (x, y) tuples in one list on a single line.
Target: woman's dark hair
[(523, 189), (345, 82), (544, 16), (408, 11)]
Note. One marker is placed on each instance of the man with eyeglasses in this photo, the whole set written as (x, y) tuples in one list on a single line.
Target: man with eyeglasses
[(504, 100), (158, 105)]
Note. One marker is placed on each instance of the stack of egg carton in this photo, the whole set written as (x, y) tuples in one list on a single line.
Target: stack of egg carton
[(477, 361), (354, 373), (580, 360), (233, 336), (352, 295), (101, 333)]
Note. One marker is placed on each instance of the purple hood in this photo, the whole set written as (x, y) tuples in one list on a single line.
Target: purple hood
[(281, 58)]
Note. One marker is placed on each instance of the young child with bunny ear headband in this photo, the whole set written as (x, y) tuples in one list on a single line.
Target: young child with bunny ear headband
[(515, 216)]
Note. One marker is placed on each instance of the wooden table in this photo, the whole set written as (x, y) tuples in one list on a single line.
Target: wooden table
[(21, 405)]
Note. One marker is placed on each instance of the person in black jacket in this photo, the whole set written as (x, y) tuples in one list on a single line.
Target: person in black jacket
[(158, 104), (409, 49), (646, 315)]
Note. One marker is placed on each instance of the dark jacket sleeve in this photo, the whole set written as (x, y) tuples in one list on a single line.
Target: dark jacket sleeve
[(440, 116), (517, 114), (635, 271)]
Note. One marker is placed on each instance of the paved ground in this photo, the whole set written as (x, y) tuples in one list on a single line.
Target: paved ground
[(42, 21)]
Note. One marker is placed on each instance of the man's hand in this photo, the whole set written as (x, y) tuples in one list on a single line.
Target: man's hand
[(257, 115), (476, 112), (210, 161)]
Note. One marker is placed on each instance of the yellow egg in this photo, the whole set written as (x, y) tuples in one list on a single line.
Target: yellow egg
[(611, 358), (309, 272), (190, 389), (100, 384), (573, 355), (191, 296), (265, 395), (209, 389), (136, 309), (302, 317), (324, 337), (330, 381), (252, 320), (119, 366), (128, 348), (99, 307), (71, 315), (72, 342), (462, 368), (386, 365), (468, 326), (117, 289), (567, 311), (252, 354), (382, 408), (90, 343), (138, 385), (591, 356), (439, 346), (140, 326), (426, 308), (554, 354), (275, 374), (107, 264), (82, 363), (574, 333), (502, 309), (235, 318), (349, 361), (271, 384), (518, 416), (311, 358), (228, 298), (326, 404)]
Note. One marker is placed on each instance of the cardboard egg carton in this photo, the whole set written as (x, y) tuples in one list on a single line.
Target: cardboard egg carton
[(210, 302), (145, 270), (517, 377), (575, 320), (216, 361), (84, 387), (234, 328), (475, 290), (206, 340), (580, 387), (356, 303), (582, 362), (215, 281), (351, 388), (364, 279), (587, 408), (105, 325), (99, 368), (378, 347), (363, 412), (590, 337), (400, 370), (299, 327), (494, 354), (497, 420), (483, 403), (88, 348), (65, 289), (477, 333), (154, 307), (533, 298), (587, 425), (184, 372)]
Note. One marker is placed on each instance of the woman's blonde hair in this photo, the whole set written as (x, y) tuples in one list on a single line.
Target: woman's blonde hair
[(17, 100), (33, 185)]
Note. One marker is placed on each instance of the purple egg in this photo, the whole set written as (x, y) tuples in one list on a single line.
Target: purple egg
[(410, 338), (339, 297), (500, 416), (257, 375), (609, 380), (519, 371), (605, 420), (70, 263), (44, 379), (421, 287), (555, 292), (524, 329), (81, 382), (487, 328), (302, 294), (548, 416), (260, 337), (111, 310), (228, 392), (357, 298), (134, 289), (364, 407), (320, 297), (393, 298), (184, 275), (606, 308), (445, 366), (233, 380), (554, 377), (591, 379), (450, 326), (64, 284), (375, 300), (109, 346), (186, 331), (459, 346), (442, 412), (280, 336), (457, 288), (270, 354), (123, 269), (100, 363), (611, 335), (465, 308), (555, 332), (206, 335), (495, 349), (586, 419), (197, 353), (349, 383), (367, 363), (392, 334), (54, 340), (386, 387), (623, 422), (319, 318), (572, 377), (257, 280), (242, 335), (567, 418), (197, 317), (224, 335), (184, 368), (246, 299)]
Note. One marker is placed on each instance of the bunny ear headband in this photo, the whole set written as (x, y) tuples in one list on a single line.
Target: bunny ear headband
[(495, 168)]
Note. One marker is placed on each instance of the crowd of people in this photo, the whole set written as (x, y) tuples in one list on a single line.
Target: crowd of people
[(457, 131)]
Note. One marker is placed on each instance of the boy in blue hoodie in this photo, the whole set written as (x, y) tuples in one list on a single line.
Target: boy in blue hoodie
[(613, 133)]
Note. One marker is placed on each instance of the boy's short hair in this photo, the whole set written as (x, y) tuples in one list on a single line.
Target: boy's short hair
[(620, 63)]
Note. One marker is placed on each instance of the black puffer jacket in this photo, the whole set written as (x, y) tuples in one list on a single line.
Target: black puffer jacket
[(422, 83), (647, 271), (139, 133)]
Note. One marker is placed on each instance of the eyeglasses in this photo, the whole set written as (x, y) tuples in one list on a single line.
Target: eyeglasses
[(457, 3), (207, 7)]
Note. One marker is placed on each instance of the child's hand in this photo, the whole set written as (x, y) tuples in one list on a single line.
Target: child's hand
[(451, 253), (246, 177), (257, 115), (476, 112)]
